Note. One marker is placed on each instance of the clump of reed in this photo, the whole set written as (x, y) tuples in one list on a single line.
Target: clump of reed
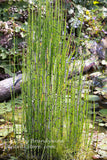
[(54, 116)]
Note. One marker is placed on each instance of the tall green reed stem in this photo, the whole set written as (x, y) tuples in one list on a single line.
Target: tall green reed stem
[(54, 117)]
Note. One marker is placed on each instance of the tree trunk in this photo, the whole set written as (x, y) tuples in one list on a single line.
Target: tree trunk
[(10, 86)]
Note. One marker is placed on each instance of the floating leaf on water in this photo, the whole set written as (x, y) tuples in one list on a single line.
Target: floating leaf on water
[(104, 92), (101, 124), (93, 98), (98, 120), (2, 120), (103, 112), (105, 124), (104, 119)]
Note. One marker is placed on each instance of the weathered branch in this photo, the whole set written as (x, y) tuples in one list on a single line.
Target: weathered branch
[(10, 86)]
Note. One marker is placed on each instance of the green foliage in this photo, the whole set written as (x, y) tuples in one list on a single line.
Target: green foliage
[(54, 117), (13, 24), (90, 3), (91, 24)]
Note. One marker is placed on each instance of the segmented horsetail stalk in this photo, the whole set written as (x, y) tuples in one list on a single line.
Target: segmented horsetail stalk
[(52, 104)]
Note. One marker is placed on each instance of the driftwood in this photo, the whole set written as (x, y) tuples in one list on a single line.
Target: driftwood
[(89, 66), (10, 86)]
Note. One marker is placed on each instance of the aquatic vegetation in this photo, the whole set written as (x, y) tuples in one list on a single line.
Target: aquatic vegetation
[(52, 124)]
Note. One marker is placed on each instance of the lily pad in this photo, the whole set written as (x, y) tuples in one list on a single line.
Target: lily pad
[(98, 120), (105, 124), (103, 112), (93, 98), (2, 121), (104, 92), (101, 124)]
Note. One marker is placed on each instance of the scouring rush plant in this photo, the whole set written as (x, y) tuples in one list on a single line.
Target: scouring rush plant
[(54, 117)]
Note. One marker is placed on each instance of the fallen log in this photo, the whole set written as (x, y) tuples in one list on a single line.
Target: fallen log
[(10, 86), (85, 66)]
